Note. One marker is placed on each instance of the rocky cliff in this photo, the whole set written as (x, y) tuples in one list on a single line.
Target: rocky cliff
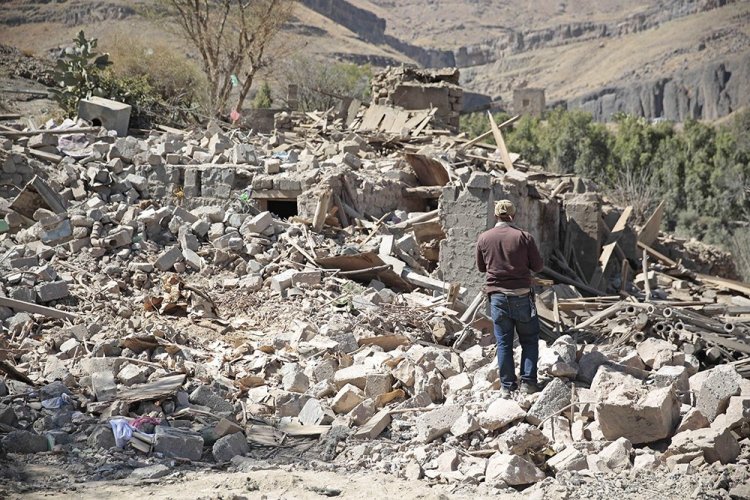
[(710, 92)]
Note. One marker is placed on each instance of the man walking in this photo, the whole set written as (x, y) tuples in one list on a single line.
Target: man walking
[(508, 255)]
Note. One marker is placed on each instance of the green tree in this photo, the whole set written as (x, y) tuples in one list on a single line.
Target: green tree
[(574, 143), (263, 97)]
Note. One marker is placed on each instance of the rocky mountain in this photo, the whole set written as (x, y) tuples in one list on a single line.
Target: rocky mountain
[(671, 59)]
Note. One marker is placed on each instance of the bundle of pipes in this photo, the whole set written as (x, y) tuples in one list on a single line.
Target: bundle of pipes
[(704, 330)]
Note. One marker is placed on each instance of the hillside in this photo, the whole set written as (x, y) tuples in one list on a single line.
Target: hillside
[(658, 58)]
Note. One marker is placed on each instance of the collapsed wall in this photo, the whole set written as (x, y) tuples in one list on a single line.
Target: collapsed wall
[(467, 211)]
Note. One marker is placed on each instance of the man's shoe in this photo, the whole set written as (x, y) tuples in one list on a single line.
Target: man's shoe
[(529, 388), (505, 392)]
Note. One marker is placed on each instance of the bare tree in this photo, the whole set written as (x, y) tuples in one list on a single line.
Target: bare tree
[(233, 38)]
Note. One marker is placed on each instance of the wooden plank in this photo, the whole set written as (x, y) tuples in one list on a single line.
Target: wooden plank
[(298, 430), (485, 135), (387, 342), (609, 247), (424, 192), (321, 211), (30, 133), (430, 283), (275, 194), (570, 281), (361, 261), (658, 255), (428, 231), (43, 155), (399, 123), (19, 305), (607, 313), (500, 144), (430, 172), (424, 123), (157, 389), (372, 117), (264, 435), (650, 230), (733, 285), (646, 284)]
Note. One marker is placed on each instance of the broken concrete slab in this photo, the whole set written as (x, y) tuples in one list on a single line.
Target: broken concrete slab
[(640, 415)]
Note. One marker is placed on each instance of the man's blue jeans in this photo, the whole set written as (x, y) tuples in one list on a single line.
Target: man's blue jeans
[(515, 313)]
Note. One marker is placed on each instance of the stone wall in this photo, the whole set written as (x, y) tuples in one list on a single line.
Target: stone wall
[(467, 212), (528, 101), (413, 88)]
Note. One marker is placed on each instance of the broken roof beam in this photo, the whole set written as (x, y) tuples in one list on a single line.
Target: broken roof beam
[(19, 305)]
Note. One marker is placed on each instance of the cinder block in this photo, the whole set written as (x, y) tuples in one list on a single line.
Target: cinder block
[(110, 114)]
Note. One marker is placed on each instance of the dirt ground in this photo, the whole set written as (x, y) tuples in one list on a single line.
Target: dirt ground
[(267, 484)]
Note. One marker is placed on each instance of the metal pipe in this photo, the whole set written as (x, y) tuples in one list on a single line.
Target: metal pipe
[(729, 327)]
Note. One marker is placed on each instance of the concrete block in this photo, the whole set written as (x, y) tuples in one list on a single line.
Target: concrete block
[(435, 423), (256, 224), (52, 291), (479, 180), (178, 443), (375, 425), (283, 280), (614, 458), (295, 381), (512, 470), (721, 383), (717, 445), (314, 413), (24, 442), (640, 415), (203, 395), (347, 398), (110, 114), (521, 439), (500, 413), (693, 420), (569, 459), (306, 277), (132, 374), (168, 259), (355, 375), (554, 397), (228, 447)]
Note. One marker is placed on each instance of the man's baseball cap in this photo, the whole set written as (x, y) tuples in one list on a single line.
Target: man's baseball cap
[(505, 207)]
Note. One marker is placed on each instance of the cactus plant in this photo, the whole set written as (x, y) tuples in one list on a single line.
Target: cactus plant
[(77, 73)]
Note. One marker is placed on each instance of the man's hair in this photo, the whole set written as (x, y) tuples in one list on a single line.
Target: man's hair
[(505, 218)]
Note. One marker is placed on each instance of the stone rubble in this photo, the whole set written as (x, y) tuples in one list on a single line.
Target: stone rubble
[(168, 294)]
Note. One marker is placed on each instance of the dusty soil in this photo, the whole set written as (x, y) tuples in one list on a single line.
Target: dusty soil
[(44, 481)]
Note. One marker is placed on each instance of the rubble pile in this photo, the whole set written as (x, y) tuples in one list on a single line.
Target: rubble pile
[(156, 305)]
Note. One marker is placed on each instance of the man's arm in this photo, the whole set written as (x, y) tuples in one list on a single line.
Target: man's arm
[(536, 263), (481, 266)]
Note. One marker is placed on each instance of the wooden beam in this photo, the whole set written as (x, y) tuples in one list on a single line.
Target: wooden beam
[(426, 192), (20, 305), (609, 247), (500, 144), (321, 211), (430, 283), (485, 135), (658, 255), (30, 133), (650, 230), (570, 281), (736, 286)]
